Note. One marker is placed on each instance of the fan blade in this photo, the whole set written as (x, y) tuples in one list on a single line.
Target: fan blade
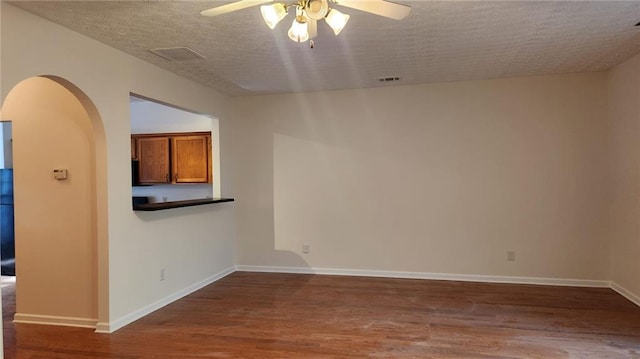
[(378, 7), (312, 27), (234, 6)]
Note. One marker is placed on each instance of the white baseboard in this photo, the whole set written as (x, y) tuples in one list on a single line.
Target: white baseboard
[(433, 276), (112, 326), (54, 320), (626, 293), (103, 327)]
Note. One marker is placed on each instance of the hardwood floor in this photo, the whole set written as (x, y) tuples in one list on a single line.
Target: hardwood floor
[(258, 315)]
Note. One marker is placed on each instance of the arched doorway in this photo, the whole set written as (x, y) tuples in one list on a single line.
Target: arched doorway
[(60, 217)]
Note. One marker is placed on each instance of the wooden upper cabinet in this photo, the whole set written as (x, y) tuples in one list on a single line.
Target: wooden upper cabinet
[(153, 157), (190, 159), (173, 157)]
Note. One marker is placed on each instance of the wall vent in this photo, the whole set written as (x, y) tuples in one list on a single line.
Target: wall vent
[(177, 54), (389, 79)]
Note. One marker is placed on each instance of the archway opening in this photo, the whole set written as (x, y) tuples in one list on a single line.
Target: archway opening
[(60, 203)]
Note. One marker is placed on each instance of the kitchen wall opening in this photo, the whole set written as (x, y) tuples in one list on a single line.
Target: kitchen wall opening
[(174, 153)]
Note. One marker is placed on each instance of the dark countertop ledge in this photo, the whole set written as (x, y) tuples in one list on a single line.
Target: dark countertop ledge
[(179, 204)]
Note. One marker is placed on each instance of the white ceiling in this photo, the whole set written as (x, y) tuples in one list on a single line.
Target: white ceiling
[(439, 41)]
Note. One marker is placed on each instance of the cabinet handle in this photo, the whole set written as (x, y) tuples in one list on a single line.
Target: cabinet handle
[(167, 177)]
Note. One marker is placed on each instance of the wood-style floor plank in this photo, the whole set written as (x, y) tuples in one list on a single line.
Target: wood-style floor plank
[(260, 315)]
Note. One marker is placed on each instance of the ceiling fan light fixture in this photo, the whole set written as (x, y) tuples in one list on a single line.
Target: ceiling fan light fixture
[(336, 20), (309, 12), (299, 31), (272, 14)]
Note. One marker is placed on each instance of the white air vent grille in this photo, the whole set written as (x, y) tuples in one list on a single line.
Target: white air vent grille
[(389, 79), (177, 54)]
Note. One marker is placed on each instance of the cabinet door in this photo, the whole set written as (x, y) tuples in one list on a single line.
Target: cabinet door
[(190, 159), (153, 155), (134, 148)]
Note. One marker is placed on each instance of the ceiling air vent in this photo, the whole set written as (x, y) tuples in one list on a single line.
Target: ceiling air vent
[(177, 54), (389, 79)]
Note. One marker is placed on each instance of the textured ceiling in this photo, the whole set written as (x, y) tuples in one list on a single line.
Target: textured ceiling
[(439, 41)]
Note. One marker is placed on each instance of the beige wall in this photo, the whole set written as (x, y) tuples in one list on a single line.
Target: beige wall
[(193, 245), (55, 221), (442, 178), (624, 167)]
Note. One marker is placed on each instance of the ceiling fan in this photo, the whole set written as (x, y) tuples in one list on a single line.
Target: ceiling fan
[(309, 12)]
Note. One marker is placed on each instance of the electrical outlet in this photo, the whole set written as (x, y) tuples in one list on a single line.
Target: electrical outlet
[(306, 248), (511, 256), (162, 272), (164, 199)]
